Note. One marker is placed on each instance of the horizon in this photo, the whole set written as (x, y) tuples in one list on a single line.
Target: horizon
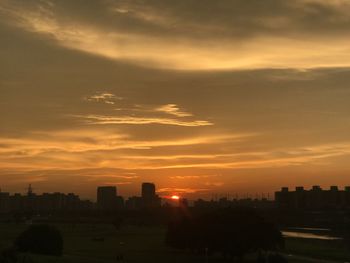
[(175, 195), (199, 97)]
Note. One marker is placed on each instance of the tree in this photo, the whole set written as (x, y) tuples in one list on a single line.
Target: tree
[(231, 232), (40, 239), (277, 258), (117, 223), (9, 255)]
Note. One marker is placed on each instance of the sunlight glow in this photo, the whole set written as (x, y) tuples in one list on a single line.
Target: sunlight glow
[(175, 197)]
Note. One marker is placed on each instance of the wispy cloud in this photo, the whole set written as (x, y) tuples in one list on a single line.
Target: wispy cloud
[(93, 149), (147, 114), (102, 119), (215, 184), (104, 97), (106, 149), (170, 190), (328, 3), (186, 177), (173, 109), (269, 159), (273, 42), (81, 141), (117, 183)]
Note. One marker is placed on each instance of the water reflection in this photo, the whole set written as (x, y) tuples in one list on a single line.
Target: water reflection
[(309, 229), (296, 234)]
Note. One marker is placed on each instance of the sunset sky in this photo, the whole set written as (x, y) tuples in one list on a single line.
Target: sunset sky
[(200, 97)]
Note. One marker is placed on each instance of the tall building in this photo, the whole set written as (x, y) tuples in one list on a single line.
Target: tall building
[(149, 197), (4, 201), (148, 190), (314, 199), (106, 197)]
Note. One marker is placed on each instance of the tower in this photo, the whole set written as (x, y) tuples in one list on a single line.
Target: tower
[(30, 190)]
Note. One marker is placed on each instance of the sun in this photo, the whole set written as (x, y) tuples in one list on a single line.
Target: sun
[(175, 197)]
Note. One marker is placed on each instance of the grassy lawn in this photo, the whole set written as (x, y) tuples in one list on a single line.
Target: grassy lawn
[(143, 244), (323, 249), (137, 244)]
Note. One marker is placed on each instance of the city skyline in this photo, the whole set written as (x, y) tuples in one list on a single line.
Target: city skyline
[(113, 190), (199, 97), (108, 201)]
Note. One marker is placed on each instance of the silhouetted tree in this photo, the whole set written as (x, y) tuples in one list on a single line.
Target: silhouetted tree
[(276, 258), (232, 232), (9, 255), (117, 222), (40, 239)]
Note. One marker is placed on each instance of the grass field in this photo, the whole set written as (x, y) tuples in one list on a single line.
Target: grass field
[(322, 249), (88, 243)]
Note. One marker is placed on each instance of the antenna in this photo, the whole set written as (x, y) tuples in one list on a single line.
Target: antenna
[(30, 190)]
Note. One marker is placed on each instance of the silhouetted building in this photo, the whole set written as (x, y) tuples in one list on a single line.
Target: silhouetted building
[(225, 202), (107, 198), (148, 190), (4, 201), (149, 197), (181, 202), (313, 199), (133, 203), (46, 202)]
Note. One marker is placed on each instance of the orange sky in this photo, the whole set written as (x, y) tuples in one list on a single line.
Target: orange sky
[(200, 97)]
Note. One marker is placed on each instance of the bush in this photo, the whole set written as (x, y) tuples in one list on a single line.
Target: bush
[(40, 239), (233, 232), (277, 258), (9, 255)]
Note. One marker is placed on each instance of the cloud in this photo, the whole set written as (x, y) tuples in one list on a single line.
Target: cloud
[(196, 35), (215, 184), (102, 149), (94, 148), (80, 141), (149, 113), (327, 3), (170, 190), (104, 97), (172, 109), (182, 177), (103, 119), (117, 183), (272, 158)]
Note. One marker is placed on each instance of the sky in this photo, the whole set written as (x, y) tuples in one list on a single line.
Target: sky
[(204, 98)]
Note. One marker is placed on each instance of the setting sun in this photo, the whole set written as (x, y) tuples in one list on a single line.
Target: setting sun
[(175, 197)]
